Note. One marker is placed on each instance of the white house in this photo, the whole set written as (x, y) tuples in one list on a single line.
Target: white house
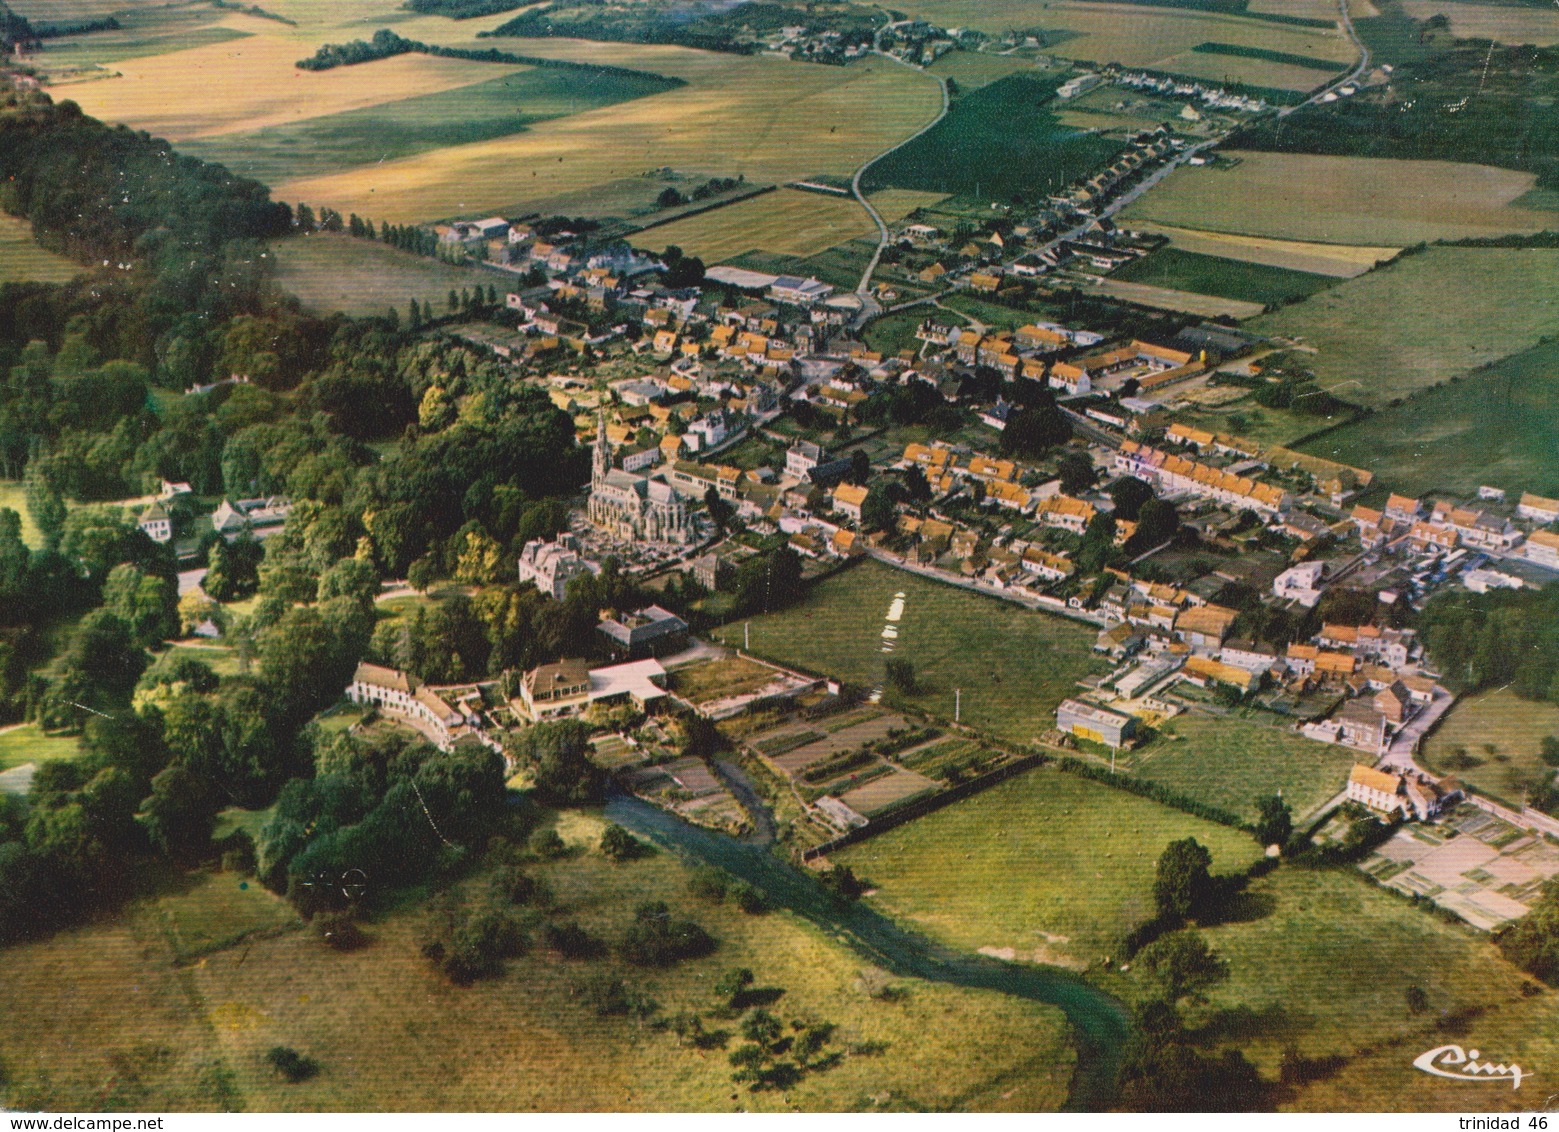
[(1301, 583), (156, 523)]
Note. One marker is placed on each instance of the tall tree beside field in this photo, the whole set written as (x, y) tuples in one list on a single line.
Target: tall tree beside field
[(1183, 884)]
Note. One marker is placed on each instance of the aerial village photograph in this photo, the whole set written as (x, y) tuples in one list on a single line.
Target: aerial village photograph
[(779, 556)]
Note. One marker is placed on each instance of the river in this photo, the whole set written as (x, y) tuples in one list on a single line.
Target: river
[(1100, 1025)]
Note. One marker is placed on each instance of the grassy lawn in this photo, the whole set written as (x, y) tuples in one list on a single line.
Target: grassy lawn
[(223, 660), (391, 1035), (1267, 427), (894, 332), (218, 909), (1423, 320), (1322, 962), (1012, 664), (1494, 741), (996, 141), (28, 744), (1230, 762), (1048, 863), (23, 261), (482, 111), (1227, 278), (1495, 426), (333, 272), (14, 496)]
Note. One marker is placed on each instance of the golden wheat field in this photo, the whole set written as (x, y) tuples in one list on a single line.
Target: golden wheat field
[(1255, 72), (251, 83), (769, 120), (1344, 200), (784, 222), (1341, 261)]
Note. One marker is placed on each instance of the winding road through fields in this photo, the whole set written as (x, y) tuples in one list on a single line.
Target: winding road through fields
[(869, 305)]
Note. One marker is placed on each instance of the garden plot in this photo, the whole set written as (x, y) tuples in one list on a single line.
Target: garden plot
[(1475, 865)]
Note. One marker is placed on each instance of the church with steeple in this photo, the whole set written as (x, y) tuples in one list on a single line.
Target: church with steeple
[(634, 507)]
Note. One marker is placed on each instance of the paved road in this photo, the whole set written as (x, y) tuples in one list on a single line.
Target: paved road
[(869, 305), (1360, 69)]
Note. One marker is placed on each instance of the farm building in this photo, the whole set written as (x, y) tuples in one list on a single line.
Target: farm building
[(1100, 725)]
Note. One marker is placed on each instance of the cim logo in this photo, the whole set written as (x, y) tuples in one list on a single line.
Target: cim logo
[(1458, 1064)]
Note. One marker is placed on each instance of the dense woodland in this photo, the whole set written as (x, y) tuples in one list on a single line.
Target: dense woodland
[(92, 407)]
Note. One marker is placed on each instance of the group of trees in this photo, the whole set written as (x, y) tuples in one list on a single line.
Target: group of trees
[(1504, 637)]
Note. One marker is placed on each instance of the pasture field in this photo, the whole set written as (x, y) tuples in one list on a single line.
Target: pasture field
[(157, 31), (498, 107), (1301, 9), (26, 743), (1229, 763), (1000, 140), (1512, 23), (46, 10), (770, 120), (251, 84), (1012, 664), (1170, 299), (1345, 200), (1054, 866), (1134, 35), (1339, 261), (1494, 742), (1227, 278), (784, 222), (1321, 960), (1495, 426), (1521, 1028), (1257, 423), (1424, 319), (333, 272), (23, 261), (390, 1034), (973, 69)]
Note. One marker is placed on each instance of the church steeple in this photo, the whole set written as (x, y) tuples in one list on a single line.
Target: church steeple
[(603, 451)]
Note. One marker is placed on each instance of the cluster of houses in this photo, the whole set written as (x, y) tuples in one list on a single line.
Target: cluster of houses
[(1487, 524), (1208, 94)]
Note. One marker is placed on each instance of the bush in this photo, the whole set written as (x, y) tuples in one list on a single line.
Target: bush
[(657, 939), (291, 1065), (238, 854), (339, 930), (617, 844), (515, 885), (572, 941), (547, 845), (709, 884), (749, 899)]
